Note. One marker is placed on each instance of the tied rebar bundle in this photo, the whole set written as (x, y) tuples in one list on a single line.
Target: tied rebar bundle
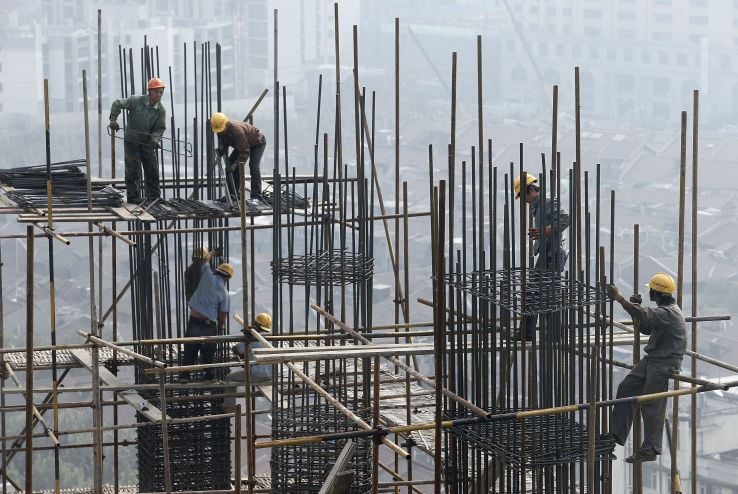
[(545, 291), (69, 186), (289, 199), (304, 468), (532, 442), (326, 268), (199, 452)]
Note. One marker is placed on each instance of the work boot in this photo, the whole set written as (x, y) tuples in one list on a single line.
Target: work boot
[(642, 455), (610, 437), (135, 200)]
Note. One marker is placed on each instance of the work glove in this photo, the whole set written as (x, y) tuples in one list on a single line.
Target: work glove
[(221, 151), (155, 143), (612, 291), (636, 299), (114, 125)]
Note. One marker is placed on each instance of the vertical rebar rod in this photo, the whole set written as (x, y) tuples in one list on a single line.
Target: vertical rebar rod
[(480, 135), (577, 192), (3, 452), (637, 424), (165, 434), (675, 480), (237, 454), (695, 176), (29, 358)]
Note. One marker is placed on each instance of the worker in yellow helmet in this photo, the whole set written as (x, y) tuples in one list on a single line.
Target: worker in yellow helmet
[(146, 124), (248, 144), (549, 223), (209, 307), (666, 345)]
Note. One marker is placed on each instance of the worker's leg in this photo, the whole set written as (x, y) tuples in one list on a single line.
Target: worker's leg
[(151, 171), (653, 412), (255, 168), (133, 171), (233, 179), (208, 357), (624, 413)]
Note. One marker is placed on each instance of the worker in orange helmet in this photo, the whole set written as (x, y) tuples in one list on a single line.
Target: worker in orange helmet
[(667, 342), (146, 125)]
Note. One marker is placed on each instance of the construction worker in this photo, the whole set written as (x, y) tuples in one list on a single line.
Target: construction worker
[(209, 307), (194, 271), (666, 345), (248, 143), (146, 124), (259, 373), (552, 226)]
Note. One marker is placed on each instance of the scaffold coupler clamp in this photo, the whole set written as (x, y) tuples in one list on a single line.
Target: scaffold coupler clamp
[(381, 432)]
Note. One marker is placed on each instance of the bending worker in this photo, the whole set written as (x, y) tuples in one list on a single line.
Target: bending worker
[(666, 346), (146, 124), (553, 225), (259, 373), (209, 307), (248, 143)]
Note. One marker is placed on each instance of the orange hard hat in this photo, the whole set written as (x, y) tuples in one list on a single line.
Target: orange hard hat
[(156, 83)]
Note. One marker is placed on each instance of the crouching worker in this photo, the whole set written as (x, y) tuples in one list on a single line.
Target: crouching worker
[(667, 343), (209, 307), (259, 373)]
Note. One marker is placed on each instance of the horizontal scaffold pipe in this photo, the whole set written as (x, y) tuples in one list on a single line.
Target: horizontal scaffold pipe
[(130, 353), (446, 424), (453, 396), (322, 392)]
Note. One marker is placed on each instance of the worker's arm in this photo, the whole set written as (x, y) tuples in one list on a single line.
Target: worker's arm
[(241, 143), (222, 318), (117, 106), (159, 127), (639, 314)]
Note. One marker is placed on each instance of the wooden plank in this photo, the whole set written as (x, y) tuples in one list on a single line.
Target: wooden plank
[(129, 396), (335, 482)]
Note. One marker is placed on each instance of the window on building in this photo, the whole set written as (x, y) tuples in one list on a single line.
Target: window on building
[(681, 59), (627, 34), (661, 86), (646, 57), (698, 20), (560, 50), (661, 36), (593, 53), (698, 3), (627, 15), (576, 50), (611, 53), (592, 14), (628, 54), (592, 31), (662, 18), (567, 11), (626, 82), (663, 58), (650, 475)]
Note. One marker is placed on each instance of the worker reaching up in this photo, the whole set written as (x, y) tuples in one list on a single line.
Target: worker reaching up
[(146, 125), (194, 271), (550, 220), (248, 143), (209, 307), (666, 345)]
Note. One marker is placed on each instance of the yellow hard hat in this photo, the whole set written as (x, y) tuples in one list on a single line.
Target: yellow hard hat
[(264, 321), (218, 122), (663, 283), (529, 179), (156, 83), (200, 252), (225, 269)]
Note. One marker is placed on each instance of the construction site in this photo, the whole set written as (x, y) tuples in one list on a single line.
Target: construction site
[(374, 385)]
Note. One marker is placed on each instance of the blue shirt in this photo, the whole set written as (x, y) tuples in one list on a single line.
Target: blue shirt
[(211, 295)]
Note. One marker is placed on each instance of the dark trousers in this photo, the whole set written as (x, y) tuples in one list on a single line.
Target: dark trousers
[(234, 173), (554, 264), (650, 375), (136, 156), (195, 328)]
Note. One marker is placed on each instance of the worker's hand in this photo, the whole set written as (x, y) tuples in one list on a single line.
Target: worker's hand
[(221, 151), (155, 143), (114, 125), (612, 291), (636, 299)]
